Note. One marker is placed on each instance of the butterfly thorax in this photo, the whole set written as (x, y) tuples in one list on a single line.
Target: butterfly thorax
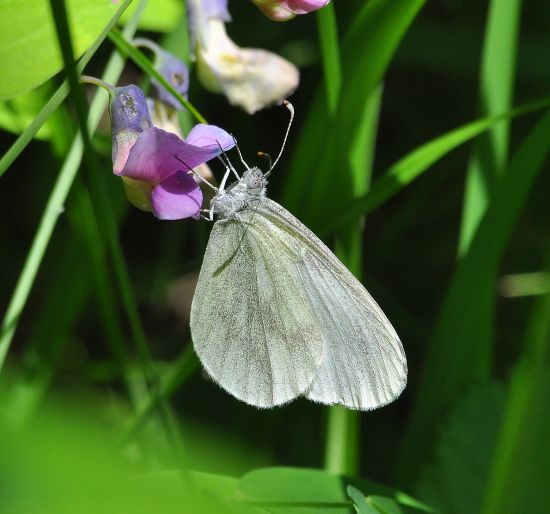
[(240, 195)]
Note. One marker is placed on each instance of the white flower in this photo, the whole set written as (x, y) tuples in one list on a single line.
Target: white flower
[(250, 78)]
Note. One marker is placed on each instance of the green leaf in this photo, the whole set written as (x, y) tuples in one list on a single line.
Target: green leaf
[(455, 482), (293, 485), (224, 490), (65, 461), (29, 54), (158, 16), (360, 502), (57, 98), (301, 491), (498, 71), (522, 447), (383, 505), (18, 113), (55, 203), (330, 52)]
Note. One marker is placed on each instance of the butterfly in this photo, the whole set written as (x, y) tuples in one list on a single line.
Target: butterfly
[(276, 315)]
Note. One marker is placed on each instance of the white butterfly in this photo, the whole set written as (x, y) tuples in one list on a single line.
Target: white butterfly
[(276, 315)]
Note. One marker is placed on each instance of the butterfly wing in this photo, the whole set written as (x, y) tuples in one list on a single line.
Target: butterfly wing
[(251, 322), (364, 365)]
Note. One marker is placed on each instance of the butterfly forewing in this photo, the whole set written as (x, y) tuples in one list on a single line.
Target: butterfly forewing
[(251, 321), (364, 365)]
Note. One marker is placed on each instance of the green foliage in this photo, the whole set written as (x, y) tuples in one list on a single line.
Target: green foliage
[(96, 302), (29, 54), (18, 113), (450, 368), (458, 480), (87, 473), (372, 504), (57, 98), (420, 160), (158, 16), (364, 61)]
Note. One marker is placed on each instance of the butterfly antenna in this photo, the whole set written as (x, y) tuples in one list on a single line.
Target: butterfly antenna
[(290, 107), (240, 154), (192, 171), (226, 161)]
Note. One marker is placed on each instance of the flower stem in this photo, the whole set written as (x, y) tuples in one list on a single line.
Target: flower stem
[(86, 79)]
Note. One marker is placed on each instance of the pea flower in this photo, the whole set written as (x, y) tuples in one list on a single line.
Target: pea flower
[(282, 10), (164, 107), (155, 165), (250, 78)]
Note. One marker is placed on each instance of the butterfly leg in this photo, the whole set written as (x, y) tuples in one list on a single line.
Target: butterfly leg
[(191, 171), (224, 179), (206, 214)]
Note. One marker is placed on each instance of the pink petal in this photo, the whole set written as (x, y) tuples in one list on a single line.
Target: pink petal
[(176, 198), (153, 157), (209, 136), (304, 6)]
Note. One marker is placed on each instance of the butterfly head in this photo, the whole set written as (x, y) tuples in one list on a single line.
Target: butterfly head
[(254, 181)]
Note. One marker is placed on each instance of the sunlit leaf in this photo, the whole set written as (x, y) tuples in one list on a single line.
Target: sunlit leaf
[(158, 16), (360, 502), (297, 491), (300, 490), (384, 505), (29, 52), (18, 113)]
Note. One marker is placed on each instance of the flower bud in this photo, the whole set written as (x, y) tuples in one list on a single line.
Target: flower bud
[(174, 70), (129, 118)]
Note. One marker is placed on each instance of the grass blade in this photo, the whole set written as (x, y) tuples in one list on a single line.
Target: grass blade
[(523, 397), (410, 167), (366, 53), (496, 88), (55, 205), (330, 53), (487, 164), (172, 379), (105, 217)]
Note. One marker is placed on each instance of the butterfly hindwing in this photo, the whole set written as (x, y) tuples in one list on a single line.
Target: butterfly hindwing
[(364, 365)]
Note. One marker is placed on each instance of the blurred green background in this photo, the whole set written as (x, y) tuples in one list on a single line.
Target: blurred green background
[(448, 230)]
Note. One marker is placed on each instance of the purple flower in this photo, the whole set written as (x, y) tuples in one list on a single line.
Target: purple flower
[(172, 69), (158, 169)]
